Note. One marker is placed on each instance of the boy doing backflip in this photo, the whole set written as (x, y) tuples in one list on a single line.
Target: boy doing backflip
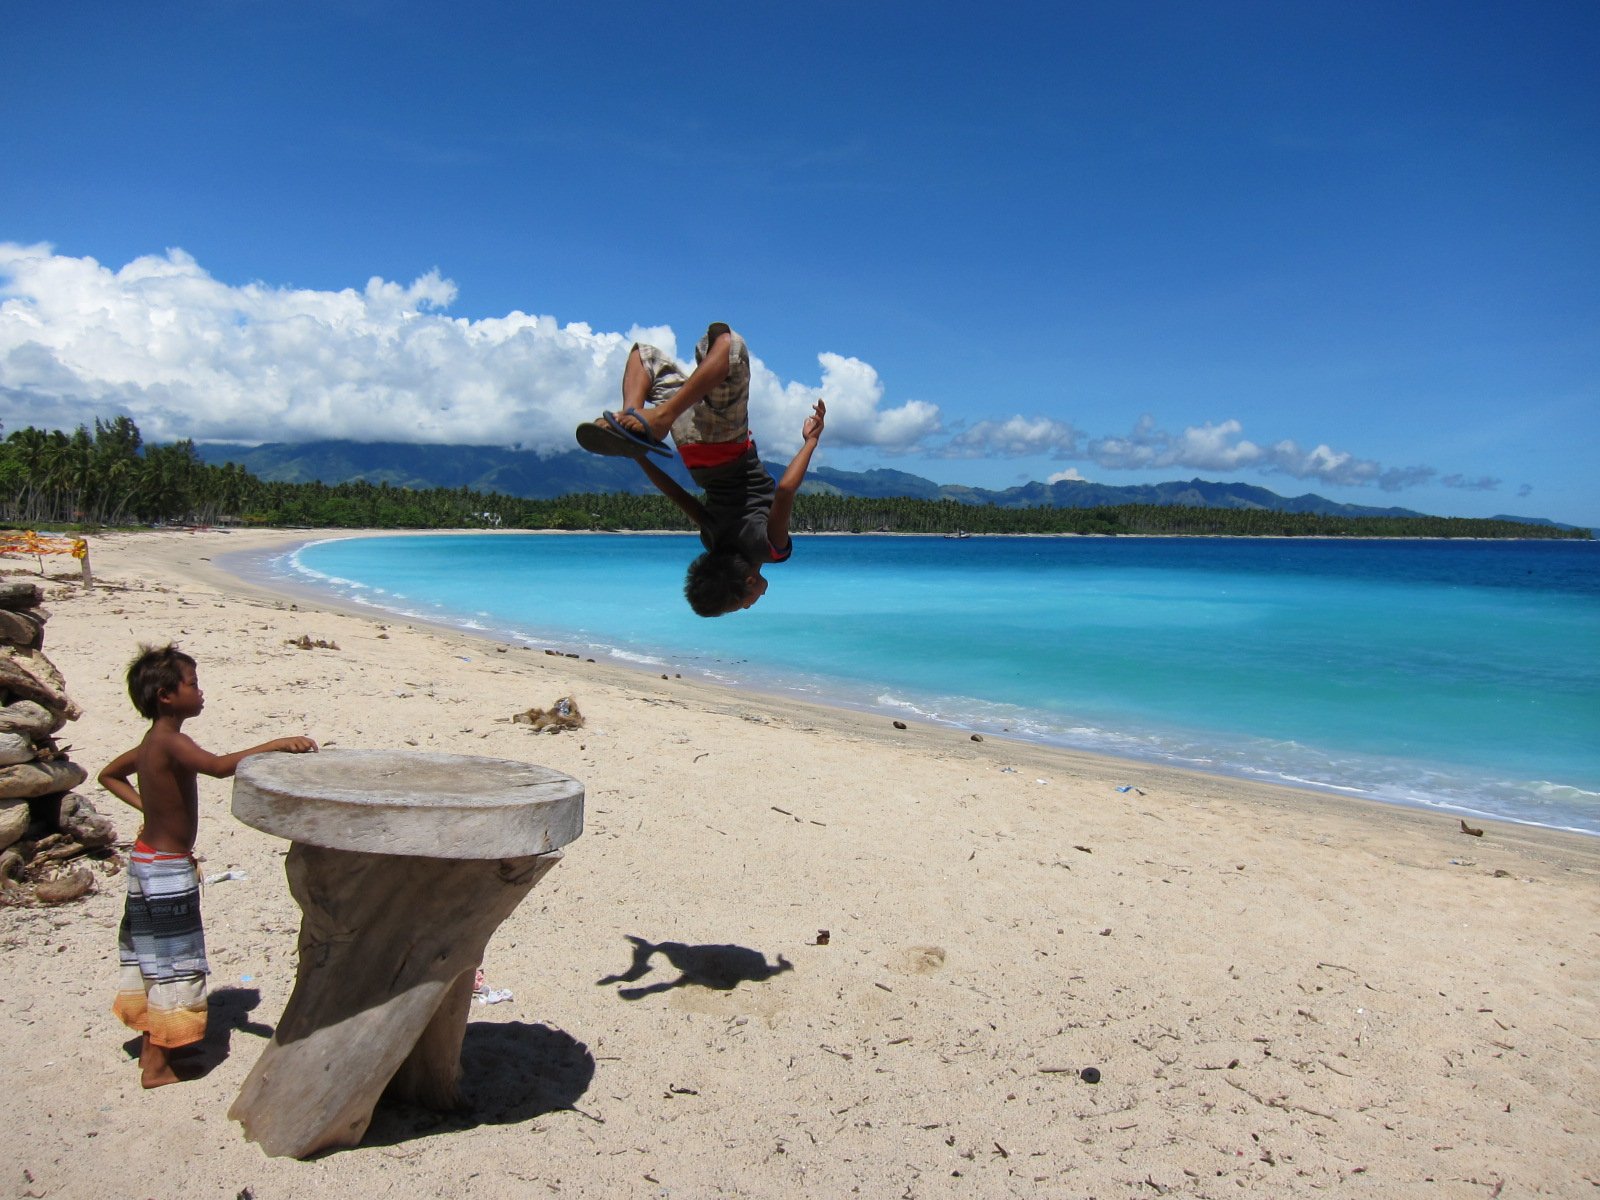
[(161, 945), (744, 521)]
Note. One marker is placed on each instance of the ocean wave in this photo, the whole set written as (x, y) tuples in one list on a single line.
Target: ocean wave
[(622, 654), (1562, 791), (1286, 762)]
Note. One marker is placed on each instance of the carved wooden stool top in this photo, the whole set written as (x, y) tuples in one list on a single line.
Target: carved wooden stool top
[(410, 802)]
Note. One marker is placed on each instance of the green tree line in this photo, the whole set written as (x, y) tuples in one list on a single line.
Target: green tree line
[(107, 476)]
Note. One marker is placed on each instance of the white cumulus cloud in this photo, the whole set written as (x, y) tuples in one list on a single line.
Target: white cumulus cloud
[(1222, 447), (1015, 437), (185, 355), (1214, 446), (853, 393)]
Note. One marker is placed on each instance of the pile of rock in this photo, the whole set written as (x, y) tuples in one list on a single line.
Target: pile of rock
[(44, 825)]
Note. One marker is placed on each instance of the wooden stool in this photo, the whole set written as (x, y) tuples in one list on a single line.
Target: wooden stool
[(403, 864)]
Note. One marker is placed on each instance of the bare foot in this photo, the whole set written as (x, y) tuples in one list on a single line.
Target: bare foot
[(638, 421), (155, 1068), (631, 420)]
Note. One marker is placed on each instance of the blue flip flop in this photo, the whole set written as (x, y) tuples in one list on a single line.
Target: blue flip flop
[(617, 440)]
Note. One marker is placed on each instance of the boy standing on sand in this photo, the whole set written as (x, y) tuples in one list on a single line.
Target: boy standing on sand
[(161, 945), (744, 522)]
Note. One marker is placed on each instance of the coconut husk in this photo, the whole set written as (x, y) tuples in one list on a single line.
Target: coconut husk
[(71, 886), (563, 714), (80, 821)]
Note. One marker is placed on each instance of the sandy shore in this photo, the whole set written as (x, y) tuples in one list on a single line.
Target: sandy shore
[(1285, 994)]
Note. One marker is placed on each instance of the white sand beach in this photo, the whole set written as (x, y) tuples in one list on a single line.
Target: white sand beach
[(1285, 993)]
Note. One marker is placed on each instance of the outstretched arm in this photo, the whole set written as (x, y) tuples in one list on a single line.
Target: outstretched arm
[(222, 766), (793, 475), (669, 487)]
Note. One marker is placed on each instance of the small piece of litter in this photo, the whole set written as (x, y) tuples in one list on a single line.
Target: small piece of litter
[(224, 876), (484, 994)]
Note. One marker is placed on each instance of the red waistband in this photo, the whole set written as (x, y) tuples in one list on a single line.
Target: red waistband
[(713, 454), (151, 854)]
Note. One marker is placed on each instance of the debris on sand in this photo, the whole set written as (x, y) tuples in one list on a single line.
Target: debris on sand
[(306, 642), (563, 714)]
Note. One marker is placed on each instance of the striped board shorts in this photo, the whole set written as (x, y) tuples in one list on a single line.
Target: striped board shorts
[(161, 948)]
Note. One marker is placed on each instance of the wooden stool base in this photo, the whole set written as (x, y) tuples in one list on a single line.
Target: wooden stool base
[(389, 946)]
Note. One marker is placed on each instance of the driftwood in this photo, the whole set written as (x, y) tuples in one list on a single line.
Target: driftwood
[(403, 866), (56, 848), (389, 946)]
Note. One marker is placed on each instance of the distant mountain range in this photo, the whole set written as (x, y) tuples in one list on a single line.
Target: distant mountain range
[(524, 473)]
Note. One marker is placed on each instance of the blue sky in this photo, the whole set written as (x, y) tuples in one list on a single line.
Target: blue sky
[(1348, 248)]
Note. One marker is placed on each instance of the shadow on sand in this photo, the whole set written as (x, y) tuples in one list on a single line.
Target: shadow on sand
[(227, 1009), (510, 1072), (720, 967)]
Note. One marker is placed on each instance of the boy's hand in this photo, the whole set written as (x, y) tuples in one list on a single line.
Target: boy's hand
[(296, 745), (812, 429)]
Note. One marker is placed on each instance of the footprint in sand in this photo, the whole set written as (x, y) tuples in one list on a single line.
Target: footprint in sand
[(923, 960)]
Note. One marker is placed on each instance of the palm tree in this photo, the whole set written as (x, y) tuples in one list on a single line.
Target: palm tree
[(31, 448)]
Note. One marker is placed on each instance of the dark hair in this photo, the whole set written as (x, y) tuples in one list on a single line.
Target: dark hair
[(157, 669), (717, 582)]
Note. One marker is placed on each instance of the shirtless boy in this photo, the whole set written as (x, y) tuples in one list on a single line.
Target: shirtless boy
[(161, 946)]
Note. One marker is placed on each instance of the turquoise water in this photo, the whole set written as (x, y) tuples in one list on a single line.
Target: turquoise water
[(1463, 676)]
